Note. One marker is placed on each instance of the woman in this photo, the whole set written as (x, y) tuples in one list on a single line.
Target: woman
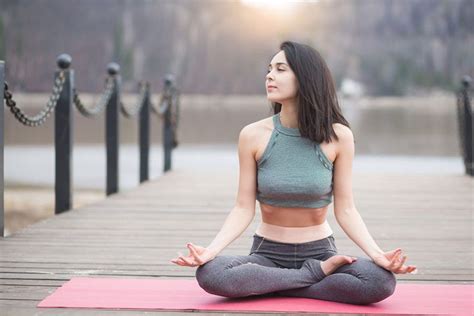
[(292, 163)]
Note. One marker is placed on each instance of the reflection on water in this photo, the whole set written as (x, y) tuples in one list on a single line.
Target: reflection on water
[(411, 128), (424, 126)]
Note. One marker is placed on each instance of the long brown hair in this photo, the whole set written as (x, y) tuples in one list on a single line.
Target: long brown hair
[(318, 107)]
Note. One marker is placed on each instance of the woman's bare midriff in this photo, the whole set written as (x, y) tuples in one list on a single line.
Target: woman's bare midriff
[(294, 216), (293, 225)]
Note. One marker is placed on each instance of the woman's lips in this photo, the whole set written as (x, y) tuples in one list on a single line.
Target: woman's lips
[(270, 88)]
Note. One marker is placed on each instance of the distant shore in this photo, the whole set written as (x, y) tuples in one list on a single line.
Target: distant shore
[(413, 122)]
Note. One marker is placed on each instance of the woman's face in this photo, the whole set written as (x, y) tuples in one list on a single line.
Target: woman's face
[(282, 78)]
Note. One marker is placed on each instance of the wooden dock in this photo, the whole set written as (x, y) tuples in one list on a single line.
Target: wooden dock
[(134, 234)]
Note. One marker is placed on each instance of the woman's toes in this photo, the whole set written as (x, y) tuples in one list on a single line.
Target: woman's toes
[(331, 264)]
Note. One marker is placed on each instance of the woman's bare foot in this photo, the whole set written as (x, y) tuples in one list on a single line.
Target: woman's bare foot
[(334, 262), (319, 269)]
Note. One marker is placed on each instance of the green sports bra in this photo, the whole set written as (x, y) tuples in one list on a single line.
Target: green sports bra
[(293, 170)]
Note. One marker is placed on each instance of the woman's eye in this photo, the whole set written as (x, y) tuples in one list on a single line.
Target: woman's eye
[(277, 69)]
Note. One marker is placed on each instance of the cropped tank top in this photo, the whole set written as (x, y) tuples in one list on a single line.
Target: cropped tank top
[(293, 170)]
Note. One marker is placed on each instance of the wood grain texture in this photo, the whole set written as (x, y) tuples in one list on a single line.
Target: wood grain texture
[(135, 233)]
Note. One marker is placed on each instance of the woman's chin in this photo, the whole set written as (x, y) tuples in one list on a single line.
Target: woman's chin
[(271, 98)]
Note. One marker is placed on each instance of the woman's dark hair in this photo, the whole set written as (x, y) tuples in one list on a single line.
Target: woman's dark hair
[(318, 107)]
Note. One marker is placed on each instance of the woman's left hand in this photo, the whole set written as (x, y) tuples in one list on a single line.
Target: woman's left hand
[(393, 261)]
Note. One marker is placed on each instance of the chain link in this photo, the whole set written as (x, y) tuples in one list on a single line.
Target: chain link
[(133, 112), (165, 103), (41, 117), (170, 99), (103, 101), (463, 95), (175, 109), (162, 109), (175, 117)]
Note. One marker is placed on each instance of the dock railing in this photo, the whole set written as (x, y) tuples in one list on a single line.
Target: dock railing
[(465, 124), (62, 101)]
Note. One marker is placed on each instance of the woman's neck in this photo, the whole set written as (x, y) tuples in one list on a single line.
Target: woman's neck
[(289, 115)]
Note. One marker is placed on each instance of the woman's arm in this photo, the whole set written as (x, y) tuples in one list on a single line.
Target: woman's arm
[(353, 225), (244, 211), (347, 215), (235, 224), (345, 211)]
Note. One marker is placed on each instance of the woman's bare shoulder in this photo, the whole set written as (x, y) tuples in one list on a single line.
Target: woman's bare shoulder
[(257, 134), (262, 125), (342, 131), (345, 137), (259, 127)]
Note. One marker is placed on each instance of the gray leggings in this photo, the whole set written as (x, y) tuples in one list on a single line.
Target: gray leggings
[(293, 269)]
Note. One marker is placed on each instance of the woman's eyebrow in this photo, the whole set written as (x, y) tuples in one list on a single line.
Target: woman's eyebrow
[(269, 65)]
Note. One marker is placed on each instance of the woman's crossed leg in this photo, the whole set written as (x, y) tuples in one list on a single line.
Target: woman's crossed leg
[(254, 274), (361, 282)]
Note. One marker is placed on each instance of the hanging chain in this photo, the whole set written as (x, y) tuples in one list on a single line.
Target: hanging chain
[(41, 117), (170, 99), (103, 101), (133, 112), (463, 101)]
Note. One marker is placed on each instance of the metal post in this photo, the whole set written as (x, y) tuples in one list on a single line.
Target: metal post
[(2, 144), (167, 127), (144, 137), (468, 128), (112, 132), (63, 137)]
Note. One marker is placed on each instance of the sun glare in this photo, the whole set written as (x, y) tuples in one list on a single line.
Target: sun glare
[(274, 4)]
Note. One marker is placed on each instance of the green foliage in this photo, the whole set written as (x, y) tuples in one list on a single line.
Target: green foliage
[(372, 67), (414, 75), (406, 74)]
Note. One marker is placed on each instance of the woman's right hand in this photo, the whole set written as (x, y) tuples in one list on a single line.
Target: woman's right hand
[(198, 256)]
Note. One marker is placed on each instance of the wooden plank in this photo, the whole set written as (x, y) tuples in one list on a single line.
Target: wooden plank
[(28, 311), (28, 308), (135, 233)]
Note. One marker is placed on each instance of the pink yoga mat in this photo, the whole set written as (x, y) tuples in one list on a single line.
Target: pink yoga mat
[(186, 295)]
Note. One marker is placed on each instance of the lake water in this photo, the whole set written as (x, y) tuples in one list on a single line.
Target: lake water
[(405, 135), (424, 125), (34, 165)]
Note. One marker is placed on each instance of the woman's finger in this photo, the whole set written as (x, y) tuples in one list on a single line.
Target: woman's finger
[(395, 251), (405, 270), (401, 262), (182, 262), (398, 264), (183, 259), (174, 260), (194, 253), (180, 255), (188, 261), (394, 259), (179, 262)]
